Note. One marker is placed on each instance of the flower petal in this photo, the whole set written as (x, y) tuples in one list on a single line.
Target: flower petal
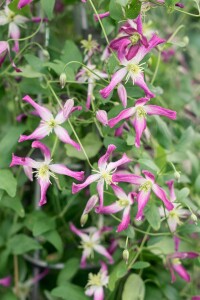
[(148, 175), (140, 125), (116, 79), (119, 192), (110, 209), (180, 270), (100, 190), (65, 138), (14, 33), (23, 3), (113, 165), (122, 94), (38, 134), (158, 110), (29, 172), (172, 195), (77, 187), (68, 108), (90, 204), (139, 80), (62, 169), (102, 162), (43, 190), (44, 149), (24, 161), (160, 193), (131, 178), (124, 114), (77, 231), (99, 293), (142, 200), (102, 117), (43, 112), (125, 220), (102, 250)]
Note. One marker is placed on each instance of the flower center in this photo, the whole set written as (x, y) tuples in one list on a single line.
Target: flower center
[(52, 123), (11, 16), (89, 44), (134, 68), (94, 280), (123, 202), (176, 261), (44, 173), (107, 177), (135, 38), (141, 113), (145, 187)]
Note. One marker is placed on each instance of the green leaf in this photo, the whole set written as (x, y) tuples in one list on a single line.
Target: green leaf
[(20, 244), (170, 5), (69, 292), (119, 143), (34, 61), (115, 9), (152, 215), (112, 64), (14, 204), (54, 238), (67, 273), (90, 147), (141, 265), (43, 225), (71, 53), (8, 182), (119, 271), (148, 163), (27, 72), (48, 7), (132, 10), (22, 11), (134, 288)]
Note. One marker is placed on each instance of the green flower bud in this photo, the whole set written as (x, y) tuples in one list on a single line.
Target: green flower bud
[(125, 255), (83, 219), (63, 80), (177, 176)]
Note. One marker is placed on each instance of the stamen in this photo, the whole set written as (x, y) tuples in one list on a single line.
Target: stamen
[(141, 113), (123, 202), (146, 186)]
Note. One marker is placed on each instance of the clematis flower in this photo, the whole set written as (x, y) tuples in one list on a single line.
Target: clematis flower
[(138, 115), (96, 283), (130, 39), (174, 264), (49, 123), (6, 281), (90, 242), (124, 203), (84, 75), (104, 174), (88, 208), (4, 51), (174, 216), (102, 117), (132, 68), (146, 185), (23, 3), (43, 170), (90, 46), (14, 22)]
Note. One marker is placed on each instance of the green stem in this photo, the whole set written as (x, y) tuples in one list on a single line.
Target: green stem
[(54, 146), (157, 67), (187, 13)]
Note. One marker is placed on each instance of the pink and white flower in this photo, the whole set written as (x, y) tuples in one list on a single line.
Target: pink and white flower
[(14, 22), (123, 203), (104, 174), (102, 117), (174, 264), (96, 283), (130, 39), (4, 51), (146, 185), (91, 242), (49, 123), (137, 115), (43, 170), (174, 216), (133, 69), (85, 75)]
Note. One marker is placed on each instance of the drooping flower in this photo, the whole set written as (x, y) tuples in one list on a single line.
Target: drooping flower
[(23, 3), (146, 185), (174, 264), (96, 283), (88, 208), (138, 115), (91, 242), (85, 75), (130, 39), (123, 203), (132, 68), (6, 281), (43, 170), (49, 123), (14, 22), (174, 216), (104, 174), (4, 51)]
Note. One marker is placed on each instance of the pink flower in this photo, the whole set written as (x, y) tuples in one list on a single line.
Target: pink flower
[(174, 264), (102, 117), (130, 39), (104, 174), (122, 94), (6, 281), (43, 170), (96, 283), (90, 242), (177, 213), (4, 50), (49, 123), (139, 113), (124, 203), (146, 185), (23, 3), (133, 69), (84, 75), (88, 208)]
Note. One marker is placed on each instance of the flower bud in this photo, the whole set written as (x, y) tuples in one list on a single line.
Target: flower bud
[(102, 117), (125, 255), (83, 219), (46, 54), (177, 176), (63, 80), (122, 94)]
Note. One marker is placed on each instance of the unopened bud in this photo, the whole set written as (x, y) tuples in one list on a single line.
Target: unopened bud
[(63, 80), (177, 176), (194, 218), (46, 54), (84, 219), (102, 117), (125, 255)]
